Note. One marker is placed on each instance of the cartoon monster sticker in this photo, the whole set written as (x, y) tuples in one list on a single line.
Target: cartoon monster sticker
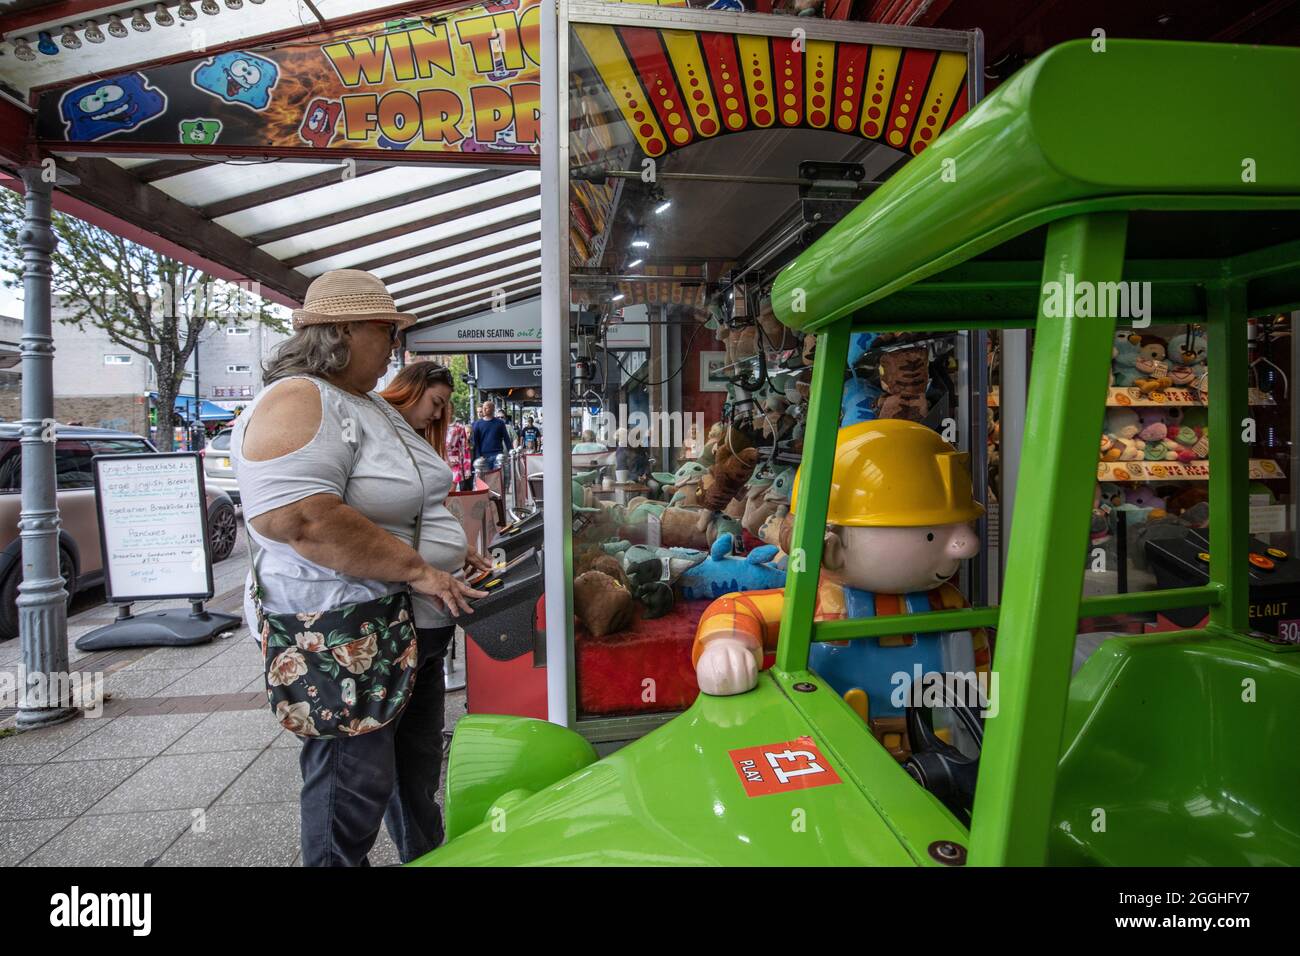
[(104, 107), (238, 77), (319, 121), (200, 132)]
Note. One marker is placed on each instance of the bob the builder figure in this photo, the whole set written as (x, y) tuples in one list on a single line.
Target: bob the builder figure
[(898, 527)]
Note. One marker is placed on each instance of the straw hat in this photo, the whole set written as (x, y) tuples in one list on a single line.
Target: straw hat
[(349, 295)]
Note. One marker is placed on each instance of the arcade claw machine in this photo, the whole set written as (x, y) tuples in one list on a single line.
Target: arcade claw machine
[(704, 151)]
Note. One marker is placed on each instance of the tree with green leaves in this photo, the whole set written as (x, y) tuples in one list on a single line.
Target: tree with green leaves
[(147, 303)]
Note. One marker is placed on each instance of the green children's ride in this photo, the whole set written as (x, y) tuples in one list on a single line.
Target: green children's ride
[(1176, 165)]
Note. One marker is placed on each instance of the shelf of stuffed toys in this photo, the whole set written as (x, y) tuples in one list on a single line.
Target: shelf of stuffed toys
[(1261, 469)]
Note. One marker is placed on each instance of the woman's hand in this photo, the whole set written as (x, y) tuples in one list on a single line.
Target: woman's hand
[(454, 593), (477, 561)]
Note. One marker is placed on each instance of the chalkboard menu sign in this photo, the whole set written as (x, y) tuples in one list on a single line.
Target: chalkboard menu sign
[(153, 526)]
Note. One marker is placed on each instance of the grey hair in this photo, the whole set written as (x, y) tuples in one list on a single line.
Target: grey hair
[(318, 350)]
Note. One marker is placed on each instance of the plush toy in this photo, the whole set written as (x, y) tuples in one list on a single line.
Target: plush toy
[(1126, 355), (731, 469), (1152, 366), (1120, 441), (757, 508), (1152, 424), (602, 604), (680, 528), (686, 485), (905, 376), (714, 524), (1189, 354), (742, 343), (1144, 498), (723, 572), (716, 431)]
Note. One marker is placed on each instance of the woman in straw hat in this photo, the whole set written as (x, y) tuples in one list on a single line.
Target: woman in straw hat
[(332, 480)]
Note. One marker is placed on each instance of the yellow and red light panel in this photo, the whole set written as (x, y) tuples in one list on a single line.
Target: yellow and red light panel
[(949, 77), (647, 53), (850, 80), (693, 78), (787, 71), (728, 78), (913, 75)]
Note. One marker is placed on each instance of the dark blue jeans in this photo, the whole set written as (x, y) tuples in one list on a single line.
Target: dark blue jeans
[(350, 785)]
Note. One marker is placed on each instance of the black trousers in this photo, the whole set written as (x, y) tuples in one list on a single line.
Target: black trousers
[(350, 785)]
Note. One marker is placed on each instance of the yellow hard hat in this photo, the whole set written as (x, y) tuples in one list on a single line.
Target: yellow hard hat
[(898, 474)]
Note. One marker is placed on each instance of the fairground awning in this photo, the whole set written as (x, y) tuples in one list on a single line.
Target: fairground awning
[(266, 155)]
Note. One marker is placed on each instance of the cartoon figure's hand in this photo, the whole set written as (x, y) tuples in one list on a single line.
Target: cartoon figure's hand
[(728, 665)]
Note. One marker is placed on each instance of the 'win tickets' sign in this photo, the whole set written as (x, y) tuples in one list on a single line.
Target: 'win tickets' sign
[(464, 82), (778, 768)]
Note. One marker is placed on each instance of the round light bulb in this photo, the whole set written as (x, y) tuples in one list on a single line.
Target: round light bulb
[(138, 22), (162, 16), (186, 10), (93, 33), (210, 7), (115, 26), (23, 50), (68, 37)]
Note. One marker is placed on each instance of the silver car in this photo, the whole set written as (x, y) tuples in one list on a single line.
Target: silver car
[(217, 471), (80, 559)]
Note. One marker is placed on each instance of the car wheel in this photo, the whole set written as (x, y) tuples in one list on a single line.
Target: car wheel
[(9, 593), (222, 530)]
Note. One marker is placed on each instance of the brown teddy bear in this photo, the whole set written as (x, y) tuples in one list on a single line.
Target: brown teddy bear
[(602, 604), (905, 375), (681, 528), (730, 471)]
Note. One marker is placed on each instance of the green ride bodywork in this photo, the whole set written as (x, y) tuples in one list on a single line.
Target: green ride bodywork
[(1177, 164)]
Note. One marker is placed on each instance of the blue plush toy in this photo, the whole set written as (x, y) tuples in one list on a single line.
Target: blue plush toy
[(1127, 352), (859, 403), (239, 77), (104, 107), (723, 572)]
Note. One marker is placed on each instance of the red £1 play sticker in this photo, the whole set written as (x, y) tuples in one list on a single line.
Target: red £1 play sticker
[(777, 768)]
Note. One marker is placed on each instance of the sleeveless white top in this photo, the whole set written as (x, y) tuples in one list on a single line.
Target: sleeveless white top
[(356, 455)]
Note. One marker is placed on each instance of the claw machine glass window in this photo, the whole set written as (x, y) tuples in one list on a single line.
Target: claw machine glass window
[(704, 152)]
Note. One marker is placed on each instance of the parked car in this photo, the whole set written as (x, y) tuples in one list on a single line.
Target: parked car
[(217, 472), (80, 559)]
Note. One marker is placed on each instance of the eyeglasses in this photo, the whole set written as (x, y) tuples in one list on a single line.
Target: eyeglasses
[(392, 331)]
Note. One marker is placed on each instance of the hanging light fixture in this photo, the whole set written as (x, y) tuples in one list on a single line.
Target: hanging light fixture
[(93, 33), (116, 27), (23, 49), (162, 16), (186, 10), (210, 7), (68, 37)]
